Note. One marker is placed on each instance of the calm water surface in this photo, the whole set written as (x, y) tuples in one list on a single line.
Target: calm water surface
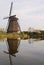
[(21, 52)]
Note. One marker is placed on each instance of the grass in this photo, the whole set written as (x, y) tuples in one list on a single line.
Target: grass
[(14, 35)]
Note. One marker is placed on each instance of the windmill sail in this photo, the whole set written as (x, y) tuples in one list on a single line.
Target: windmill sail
[(11, 9)]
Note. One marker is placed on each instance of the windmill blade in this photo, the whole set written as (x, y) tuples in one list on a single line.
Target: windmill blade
[(19, 26), (11, 9), (8, 17), (5, 17)]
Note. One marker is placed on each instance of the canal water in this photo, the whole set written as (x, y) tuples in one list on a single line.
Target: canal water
[(21, 52)]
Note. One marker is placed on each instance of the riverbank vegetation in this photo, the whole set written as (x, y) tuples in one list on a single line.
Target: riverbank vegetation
[(22, 34)]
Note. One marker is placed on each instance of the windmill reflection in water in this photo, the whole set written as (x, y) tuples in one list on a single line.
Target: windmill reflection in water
[(12, 46)]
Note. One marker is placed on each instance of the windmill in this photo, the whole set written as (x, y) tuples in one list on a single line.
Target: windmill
[(13, 25)]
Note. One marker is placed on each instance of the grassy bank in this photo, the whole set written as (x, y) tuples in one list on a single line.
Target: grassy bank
[(13, 35), (22, 35)]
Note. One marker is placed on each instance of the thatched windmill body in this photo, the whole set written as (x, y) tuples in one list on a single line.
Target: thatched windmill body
[(13, 25)]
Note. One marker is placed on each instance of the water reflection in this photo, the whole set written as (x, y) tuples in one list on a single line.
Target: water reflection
[(32, 40), (12, 48), (26, 54)]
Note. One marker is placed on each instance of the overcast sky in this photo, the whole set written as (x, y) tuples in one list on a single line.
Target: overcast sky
[(29, 12)]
